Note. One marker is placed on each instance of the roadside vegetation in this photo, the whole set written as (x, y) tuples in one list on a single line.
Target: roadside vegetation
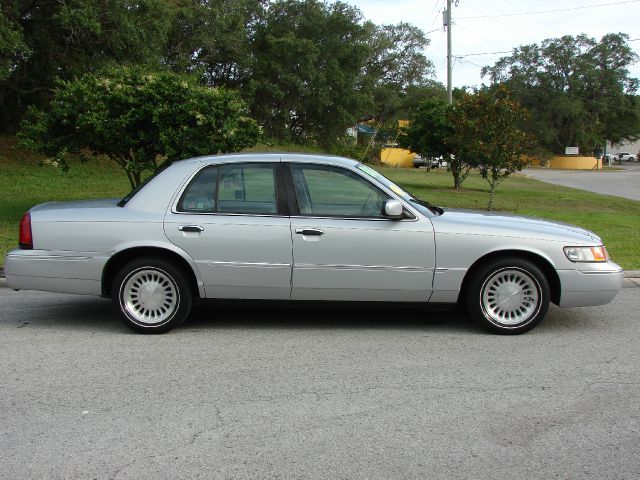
[(24, 183)]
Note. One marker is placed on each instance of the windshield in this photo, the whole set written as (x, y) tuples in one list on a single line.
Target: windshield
[(424, 207)]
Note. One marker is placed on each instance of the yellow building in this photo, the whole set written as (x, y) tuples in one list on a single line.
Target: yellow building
[(570, 162), (397, 157)]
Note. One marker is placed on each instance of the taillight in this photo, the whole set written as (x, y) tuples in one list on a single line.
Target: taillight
[(26, 239)]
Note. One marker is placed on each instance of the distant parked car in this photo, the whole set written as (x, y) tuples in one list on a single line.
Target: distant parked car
[(438, 162), (609, 157), (434, 162), (419, 161), (628, 157)]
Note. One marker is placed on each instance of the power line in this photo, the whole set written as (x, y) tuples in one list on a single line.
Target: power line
[(548, 11), (483, 53), (503, 24), (510, 51), (438, 7), (540, 23), (464, 60)]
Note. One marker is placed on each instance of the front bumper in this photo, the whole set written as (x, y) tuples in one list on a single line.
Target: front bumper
[(590, 284)]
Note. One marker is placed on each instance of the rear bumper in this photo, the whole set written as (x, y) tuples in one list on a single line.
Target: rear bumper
[(60, 271), (583, 288)]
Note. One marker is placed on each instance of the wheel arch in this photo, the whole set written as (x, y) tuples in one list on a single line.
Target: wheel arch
[(541, 262), (180, 259)]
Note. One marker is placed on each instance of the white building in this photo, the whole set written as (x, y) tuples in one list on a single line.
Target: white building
[(625, 146)]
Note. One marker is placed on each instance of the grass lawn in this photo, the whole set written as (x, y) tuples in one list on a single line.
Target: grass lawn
[(23, 183)]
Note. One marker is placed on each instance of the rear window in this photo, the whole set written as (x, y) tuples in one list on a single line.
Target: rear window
[(133, 192)]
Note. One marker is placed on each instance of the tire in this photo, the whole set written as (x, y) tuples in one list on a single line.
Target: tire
[(518, 282), (151, 295)]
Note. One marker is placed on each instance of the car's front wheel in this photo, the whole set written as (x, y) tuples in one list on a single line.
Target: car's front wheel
[(151, 295), (508, 296)]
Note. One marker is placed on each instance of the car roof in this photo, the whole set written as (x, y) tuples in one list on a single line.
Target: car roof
[(272, 157)]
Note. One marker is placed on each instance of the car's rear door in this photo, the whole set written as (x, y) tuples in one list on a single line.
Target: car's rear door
[(344, 248), (232, 220)]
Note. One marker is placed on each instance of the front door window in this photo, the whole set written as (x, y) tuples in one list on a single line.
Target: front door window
[(325, 191)]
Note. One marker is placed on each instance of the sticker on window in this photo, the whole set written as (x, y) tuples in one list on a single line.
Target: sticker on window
[(196, 206)]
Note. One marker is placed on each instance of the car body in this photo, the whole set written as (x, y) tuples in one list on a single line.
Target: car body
[(420, 161), (433, 162), (626, 156), (303, 227)]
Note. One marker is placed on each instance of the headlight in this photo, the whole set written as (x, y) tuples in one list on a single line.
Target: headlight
[(586, 254)]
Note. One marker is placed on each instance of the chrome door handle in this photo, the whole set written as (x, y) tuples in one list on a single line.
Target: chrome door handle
[(309, 231), (190, 228)]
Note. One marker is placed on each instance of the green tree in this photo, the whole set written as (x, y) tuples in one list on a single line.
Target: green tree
[(306, 78), (578, 90), (428, 130), (213, 39), (13, 48), (486, 134), (397, 73), (63, 39), (139, 119)]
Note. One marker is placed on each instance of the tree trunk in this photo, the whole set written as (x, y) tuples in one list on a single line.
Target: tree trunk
[(455, 172), (492, 191)]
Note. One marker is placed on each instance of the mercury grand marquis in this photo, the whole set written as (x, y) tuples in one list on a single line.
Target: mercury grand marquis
[(303, 227)]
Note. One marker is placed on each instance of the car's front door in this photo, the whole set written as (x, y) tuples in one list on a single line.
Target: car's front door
[(344, 248), (230, 219)]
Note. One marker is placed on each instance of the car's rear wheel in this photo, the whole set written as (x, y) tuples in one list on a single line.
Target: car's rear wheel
[(151, 295), (508, 296)]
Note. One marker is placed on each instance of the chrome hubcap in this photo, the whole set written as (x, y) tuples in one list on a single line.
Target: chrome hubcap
[(510, 297), (149, 296)]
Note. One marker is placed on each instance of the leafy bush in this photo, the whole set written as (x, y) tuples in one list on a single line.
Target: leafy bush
[(497, 147), (139, 119)]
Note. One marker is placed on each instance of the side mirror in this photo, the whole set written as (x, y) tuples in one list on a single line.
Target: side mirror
[(393, 209)]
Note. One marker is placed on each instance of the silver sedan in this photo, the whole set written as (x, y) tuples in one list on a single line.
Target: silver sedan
[(303, 227)]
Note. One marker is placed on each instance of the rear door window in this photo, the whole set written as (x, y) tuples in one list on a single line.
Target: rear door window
[(246, 188)]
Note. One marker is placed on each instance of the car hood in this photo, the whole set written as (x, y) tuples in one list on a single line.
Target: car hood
[(97, 203), (509, 225)]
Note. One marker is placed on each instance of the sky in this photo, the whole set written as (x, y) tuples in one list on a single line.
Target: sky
[(503, 25)]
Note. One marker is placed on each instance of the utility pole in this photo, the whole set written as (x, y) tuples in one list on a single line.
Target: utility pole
[(447, 23)]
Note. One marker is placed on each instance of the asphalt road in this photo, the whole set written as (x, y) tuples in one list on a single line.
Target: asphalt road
[(249, 392), (624, 183)]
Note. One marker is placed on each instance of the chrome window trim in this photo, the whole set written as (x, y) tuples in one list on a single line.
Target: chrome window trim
[(222, 214), (177, 196), (367, 219)]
